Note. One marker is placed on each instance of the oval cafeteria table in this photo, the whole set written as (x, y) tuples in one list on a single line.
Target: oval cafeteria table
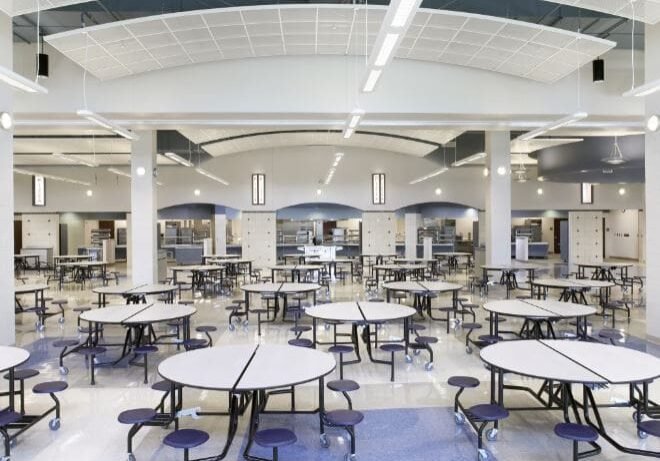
[(603, 271), (205, 258), (279, 290), (362, 313), (296, 270), (452, 258), (198, 273), (134, 293), (536, 312), (509, 273), (419, 288), (36, 288), (81, 270), (249, 369), (568, 362), (136, 317), (401, 271), (572, 289)]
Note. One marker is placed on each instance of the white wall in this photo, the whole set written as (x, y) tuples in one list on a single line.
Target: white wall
[(621, 234), (42, 230), (379, 233)]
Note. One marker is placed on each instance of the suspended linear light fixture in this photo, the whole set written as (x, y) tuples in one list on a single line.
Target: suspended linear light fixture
[(211, 176), (433, 174), (74, 159), (553, 126), (178, 159), (19, 82), (471, 158), (615, 157), (119, 172), (107, 124)]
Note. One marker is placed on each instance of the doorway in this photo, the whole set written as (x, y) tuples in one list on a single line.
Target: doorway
[(557, 234), (18, 236)]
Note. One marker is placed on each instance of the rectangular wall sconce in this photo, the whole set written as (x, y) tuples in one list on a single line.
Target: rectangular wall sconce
[(258, 189), (378, 188), (587, 193)]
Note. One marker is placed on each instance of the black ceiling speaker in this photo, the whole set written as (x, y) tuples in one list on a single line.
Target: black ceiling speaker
[(42, 65), (599, 70)]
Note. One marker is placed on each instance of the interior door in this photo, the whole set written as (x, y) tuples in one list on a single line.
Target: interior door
[(18, 236)]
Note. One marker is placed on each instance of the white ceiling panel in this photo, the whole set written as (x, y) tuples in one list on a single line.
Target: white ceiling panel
[(19, 7), (527, 147), (642, 10), (502, 45)]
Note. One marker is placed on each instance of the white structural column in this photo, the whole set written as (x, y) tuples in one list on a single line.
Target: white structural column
[(652, 205), (220, 228), (498, 198), (7, 317), (144, 213), (413, 221)]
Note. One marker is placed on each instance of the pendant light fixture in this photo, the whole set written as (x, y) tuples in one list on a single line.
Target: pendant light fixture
[(598, 68), (615, 157)]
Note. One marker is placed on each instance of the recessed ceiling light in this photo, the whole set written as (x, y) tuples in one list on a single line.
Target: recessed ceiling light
[(653, 123), (539, 191), (6, 121), (501, 170), (485, 172), (540, 179), (319, 191), (197, 192), (438, 191), (89, 192), (622, 191), (141, 171)]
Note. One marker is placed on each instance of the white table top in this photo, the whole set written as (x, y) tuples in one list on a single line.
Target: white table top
[(137, 313), (452, 253), (222, 256), (572, 361), (539, 309), (196, 268), (436, 287), (230, 261), (11, 357), (397, 267), (353, 311), (29, 287), (112, 289), (152, 289), (572, 283), (283, 267), (280, 287), (247, 367), (83, 263), (413, 260), (298, 287), (72, 257), (606, 265), (514, 266)]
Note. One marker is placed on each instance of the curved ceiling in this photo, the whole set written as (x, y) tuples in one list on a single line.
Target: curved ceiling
[(507, 46), (641, 10)]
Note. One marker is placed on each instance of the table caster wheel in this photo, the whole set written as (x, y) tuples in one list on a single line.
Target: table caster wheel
[(13, 443), (459, 418), (231, 327), (324, 441), (64, 371), (408, 359), (416, 352), (491, 434), (468, 350), (245, 323), (641, 434), (60, 320), (4, 458), (350, 457), (130, 457), (634, 416), (326, 326), (54, 424), (483, 454), (428, 366)]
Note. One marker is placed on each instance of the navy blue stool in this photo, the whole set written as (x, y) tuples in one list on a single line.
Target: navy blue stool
[(186, 439), (346, 419), (392, 348), (51, 388), (136, 417), (462, 382), (207, 330), (341, 350), (194, 343), (611, 335), (21, 376), (91, 353), (480, 416), (275, 439), (344, 386), (652, 426), (301, 342), (144, 351), (6, 419), (65, 344), (576, 433)]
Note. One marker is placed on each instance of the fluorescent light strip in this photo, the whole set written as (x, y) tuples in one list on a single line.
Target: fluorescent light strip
[(107, 124), (429, 176), (386, 49), (178, 159), (348, 132), (53, 177), (471, 158), (73, 159), (372, 80), (333, 168), (119, 172), (644, 90), (553, 126), (19, 82), (211, 176), (403, 12)]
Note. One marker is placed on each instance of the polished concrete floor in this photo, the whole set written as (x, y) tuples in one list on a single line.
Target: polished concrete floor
[(90, 430)]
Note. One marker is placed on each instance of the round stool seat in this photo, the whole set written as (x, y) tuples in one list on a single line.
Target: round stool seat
[(66, 343), (392, 347), (490, 338), (463, 381), (231, 308), (277, 437), (238, 301), (399, 295), (206, 328), (82, 309), (344, 418), (60, 302), (446, 309), (195, 343), (136, 416), (489, 412), (300, 329), (609, 333), (340, 349), (162, 386), (652, 426), (463, 300), (50, 387), (185, 438), (470, 305), (376, 300), (187, 302), (426, 340), (145, 349), (25, 373), (8, 417), (471, 326), (417, 327), (301, 342), (96, 350), (343, 385), (577, 432), (259, 311)]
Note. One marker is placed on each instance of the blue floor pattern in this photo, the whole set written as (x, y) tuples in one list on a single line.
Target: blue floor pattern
[(413, 434)]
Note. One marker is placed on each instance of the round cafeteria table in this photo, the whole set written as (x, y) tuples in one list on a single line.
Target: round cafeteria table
[(362, 313), (249, 369), (572, 289), (401, 271), (420, 288), (134, 293), (36, 288), (568, 362), (81, 270), (136, 317), (509, 273), (205, 258), (295, 270), (603, 271), (279, 290), (537, 312), (232, 264), (452, 258)]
